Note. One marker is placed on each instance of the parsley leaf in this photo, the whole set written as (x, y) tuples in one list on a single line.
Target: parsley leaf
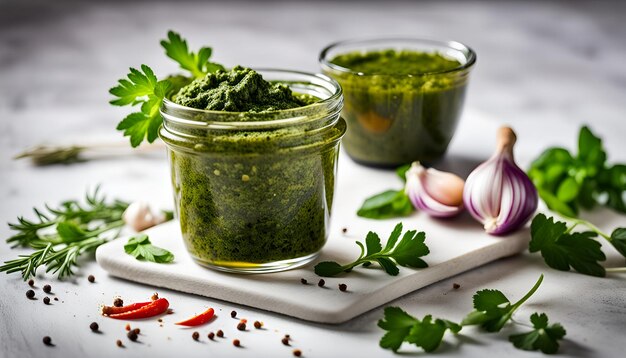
[(492, 309), (388, 204), (407, 252), (542, 337), (562, 249), (140, 247), (618, 239), (197, 63), (567, 182), (143, 88), (402, 327)]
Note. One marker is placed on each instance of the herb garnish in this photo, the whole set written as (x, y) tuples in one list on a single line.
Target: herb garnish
[(407, 252), (492, 311), (542, 337), (567, 182), (388, 204), (61, 235), (142, 249), (561, 248), (144, 89)]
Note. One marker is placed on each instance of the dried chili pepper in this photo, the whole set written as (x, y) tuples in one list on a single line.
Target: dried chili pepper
[(150, 309), (109, 310), (200, 319)]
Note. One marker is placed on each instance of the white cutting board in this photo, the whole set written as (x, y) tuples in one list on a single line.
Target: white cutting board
[(456, 246)]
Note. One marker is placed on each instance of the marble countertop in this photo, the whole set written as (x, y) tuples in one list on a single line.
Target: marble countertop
[(543, 67)]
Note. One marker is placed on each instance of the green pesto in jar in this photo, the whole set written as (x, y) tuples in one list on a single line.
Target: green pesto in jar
[(400, 105), (251, 197)]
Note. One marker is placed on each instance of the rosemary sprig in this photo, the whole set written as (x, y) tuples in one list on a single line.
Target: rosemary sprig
[(61, 235)]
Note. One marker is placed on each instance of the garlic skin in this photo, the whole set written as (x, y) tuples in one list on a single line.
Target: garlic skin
[(139, 216), (498, 193), (437, 193)]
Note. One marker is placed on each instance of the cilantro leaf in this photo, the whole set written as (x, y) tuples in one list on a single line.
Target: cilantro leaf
[(492, 309), (406, 252), (402, 327), (141, 248), (388, 204), (562, 250), (618, 240), (142, 88), (543, 337), (197, 63)]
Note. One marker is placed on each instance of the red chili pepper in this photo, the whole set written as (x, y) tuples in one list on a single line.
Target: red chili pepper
[(202, 318), (152, 309), (109, 310)]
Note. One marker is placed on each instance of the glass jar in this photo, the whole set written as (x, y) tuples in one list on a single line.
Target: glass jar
[(395, 119), (254, 191)]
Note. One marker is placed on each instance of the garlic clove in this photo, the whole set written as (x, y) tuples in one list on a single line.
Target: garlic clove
[(437, 193), (498, 193), (139, 216)]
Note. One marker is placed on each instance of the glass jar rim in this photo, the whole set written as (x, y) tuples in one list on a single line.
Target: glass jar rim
[(470, 55), (288, 117)]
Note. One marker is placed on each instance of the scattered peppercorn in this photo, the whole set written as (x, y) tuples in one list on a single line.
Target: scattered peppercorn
[(31, 283), (91, 278), (47, 340), (137, 331), (241, 326), (47, 288), (344, 230), (303, 281), (46, 300), (127, 326), (220, 333), (456, 286), (287, 336), (56, 298), (155, 296), (30, 294), (285, 340), (233, 314), (297, 352), (321, 283), (160, 320), (132, 335), (118, 302), (94, 326), (119, 343), (236, 343), (211, 335), (343, 287), (258, 324), (195, 336)]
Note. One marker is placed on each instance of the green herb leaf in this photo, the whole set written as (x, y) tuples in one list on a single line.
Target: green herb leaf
[(197, 63), (398, 324), (407, 252), (428, 334), (492, 309), (401, 171), (618, 240), (543, 337), (388, 204), (562, 250), (69, 231), (140, 247)]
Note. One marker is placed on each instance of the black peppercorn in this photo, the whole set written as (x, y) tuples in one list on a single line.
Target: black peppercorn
[(31, 283), (47, 288), (241, 326), (211, 335), (321, 283), (236, 343), (46, 300), (344, 230), (30, 294), (195, 336), (137, 331), (297, 352), (285, 341), (233, 314), (118, 302), (456, 286), (47, 340), (132, 335), (343, 287), (220, 333), (119, 343), (91, 279), (258, 324), (94, 326)]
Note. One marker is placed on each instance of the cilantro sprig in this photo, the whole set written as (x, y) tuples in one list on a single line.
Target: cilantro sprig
[(492, 311), (140, 247), (390, 203), (568, 182), (543, 337), (406, 252), (563, 249), (142, 88)]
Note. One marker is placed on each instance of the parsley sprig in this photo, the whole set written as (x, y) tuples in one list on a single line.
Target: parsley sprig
[(406, 252), (492, 310), (140, 247), (61, 235), (141, 87), (562, 248), (390, 203)]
